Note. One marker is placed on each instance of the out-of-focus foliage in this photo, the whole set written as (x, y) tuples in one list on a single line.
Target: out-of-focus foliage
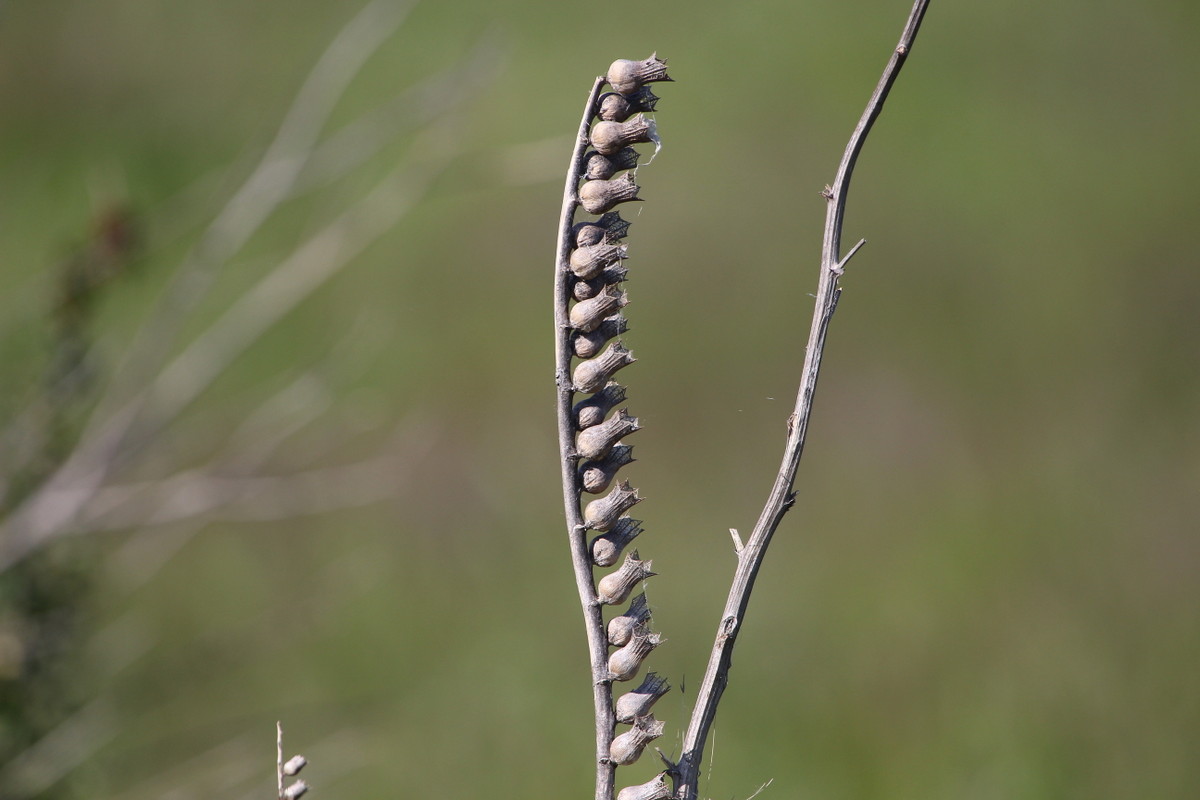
[(987, 587)]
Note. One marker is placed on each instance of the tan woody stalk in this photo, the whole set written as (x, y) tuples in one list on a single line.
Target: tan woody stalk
[(587, 313)]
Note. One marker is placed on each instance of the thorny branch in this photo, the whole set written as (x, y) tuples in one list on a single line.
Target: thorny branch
[(687, 772)]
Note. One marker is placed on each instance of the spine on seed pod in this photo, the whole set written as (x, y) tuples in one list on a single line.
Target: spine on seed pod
[(590, 269)]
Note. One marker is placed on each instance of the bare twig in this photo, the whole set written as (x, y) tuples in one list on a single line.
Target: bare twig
[(750, 557), (576, 531)]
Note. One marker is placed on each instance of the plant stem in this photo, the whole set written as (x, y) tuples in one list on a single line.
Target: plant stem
[(580, 558), (687, 772)]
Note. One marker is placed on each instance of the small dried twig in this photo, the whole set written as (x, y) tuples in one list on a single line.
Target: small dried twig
[(750, 556)]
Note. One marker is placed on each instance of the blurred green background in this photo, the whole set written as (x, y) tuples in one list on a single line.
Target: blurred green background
[(987, 588)]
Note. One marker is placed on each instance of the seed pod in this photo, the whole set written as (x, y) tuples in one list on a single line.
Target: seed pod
[(627, 748), (607, 547), (609, 228), (601, 167), (294, 765), (609, 137), (586, 290), (588, 315), (637, 703), (628, 76), (602, 514), (595, 442), (295, 791), (590, 376), (595, 476), (589, 261), (593, 410), (654, 789), (587, 345), (620, 629), (599, 196), (615, 107), (614, 587)]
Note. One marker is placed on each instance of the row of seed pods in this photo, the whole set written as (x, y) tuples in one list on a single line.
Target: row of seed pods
[(596, 263)]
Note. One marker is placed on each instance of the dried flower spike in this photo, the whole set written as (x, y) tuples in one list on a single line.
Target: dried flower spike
[(620, 629), (602, 514), (607, 547), (600, 196), (637, 703), (614, 587), (654, 789), (596, 442), (627, 76), (591, 376), (627, 747)]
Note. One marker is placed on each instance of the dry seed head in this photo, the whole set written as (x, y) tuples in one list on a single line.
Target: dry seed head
[(627, 748), (654, 789), (588, 315), (609, 137), (590, 260), (593, 410), (597, 441), (607, 547), (599, 196), (620, 629), (614, 587), (627, 76), (591, 376), (602, 514), (637, 703), (601, 167), (587, 345), (595, 476)]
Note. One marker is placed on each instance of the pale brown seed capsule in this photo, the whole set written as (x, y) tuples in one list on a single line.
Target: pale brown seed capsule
[(614, 587), (607, 547), (609, 228), (589, 261), (624, 664), (595, 476), (627, 748), (626, 76), (296, 790), (620, 629), (595, 442), (593, 410), (637, 703), (294, 765), (616, 107), (601, 167), (587, 345), (654, 789), (588, 315), (586, 290), (590, 376), (602, 514), (609, 137), (600, 196)]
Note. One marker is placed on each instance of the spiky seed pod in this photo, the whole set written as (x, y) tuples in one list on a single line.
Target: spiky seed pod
[(614, 587), (627, 748), (627, 76), (602, 514), (599, 196), (595, 476), (623, 664), (637, 703), (589, 261), (602, 167), (609, 137), (620, 629), (590, 376), (587, 345), (595, 442), (593, 410), (654, 789), (607, 547), (588, 315), (609, 228), (615, 107)]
